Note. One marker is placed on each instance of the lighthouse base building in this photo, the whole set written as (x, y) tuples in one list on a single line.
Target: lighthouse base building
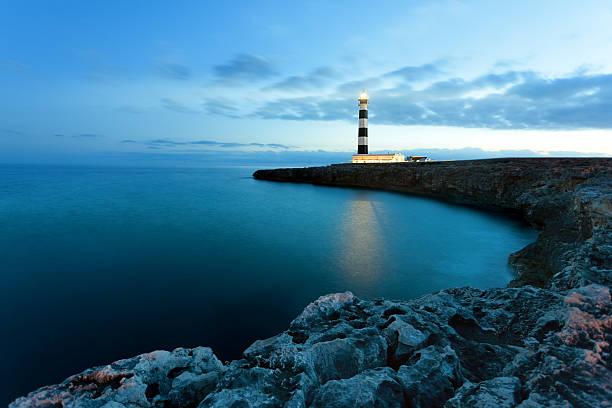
[(378, 158)]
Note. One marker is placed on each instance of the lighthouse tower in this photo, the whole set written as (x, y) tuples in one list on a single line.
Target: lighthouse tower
[(362, 155), (362, 138)]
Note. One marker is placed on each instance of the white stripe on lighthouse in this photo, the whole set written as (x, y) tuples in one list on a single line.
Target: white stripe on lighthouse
[(363, 123)]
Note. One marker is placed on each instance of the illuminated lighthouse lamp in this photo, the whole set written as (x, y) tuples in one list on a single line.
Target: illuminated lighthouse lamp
[(363, 96)]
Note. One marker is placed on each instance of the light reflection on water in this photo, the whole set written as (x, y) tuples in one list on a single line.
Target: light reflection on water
[(362, 241)]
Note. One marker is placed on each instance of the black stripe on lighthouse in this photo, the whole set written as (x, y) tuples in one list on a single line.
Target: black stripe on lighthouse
[(362, 136)]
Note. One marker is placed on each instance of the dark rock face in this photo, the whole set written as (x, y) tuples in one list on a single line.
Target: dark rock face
[(526, 346)]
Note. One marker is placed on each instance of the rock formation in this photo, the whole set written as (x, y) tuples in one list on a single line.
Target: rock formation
[(542, 342)]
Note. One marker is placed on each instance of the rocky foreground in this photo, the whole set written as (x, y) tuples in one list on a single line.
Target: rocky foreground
[(543, 342)]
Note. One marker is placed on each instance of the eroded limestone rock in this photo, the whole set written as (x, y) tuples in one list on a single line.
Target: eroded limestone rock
[(180, 378)]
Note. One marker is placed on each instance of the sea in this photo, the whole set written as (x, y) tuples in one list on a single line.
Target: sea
[(103, 263)]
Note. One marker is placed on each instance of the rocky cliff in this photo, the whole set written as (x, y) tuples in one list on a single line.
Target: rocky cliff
[(543, 342)]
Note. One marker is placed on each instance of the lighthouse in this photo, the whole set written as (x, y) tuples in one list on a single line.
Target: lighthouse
[(362, 137), (362, 155)]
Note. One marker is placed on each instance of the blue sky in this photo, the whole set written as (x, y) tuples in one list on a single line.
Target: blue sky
[(150, 78)]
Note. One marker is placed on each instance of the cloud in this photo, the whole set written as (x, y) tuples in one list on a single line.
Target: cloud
[(85, 136), (130, 109), (458, 87), (10, 132), (290, 109), (174, 106), (11, 64), (313, 80), (174, 71), (354, 87), (506, 63), (563, 88), (415, 73), (532, 103), (507, 100), (406, 75), (243, 68), (220, 107), (107, 73), (168, 143), (419, 95)]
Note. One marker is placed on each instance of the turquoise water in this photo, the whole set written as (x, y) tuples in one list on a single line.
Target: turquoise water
[(104, 263)]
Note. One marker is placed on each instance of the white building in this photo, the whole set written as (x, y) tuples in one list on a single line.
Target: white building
[(378, 158)]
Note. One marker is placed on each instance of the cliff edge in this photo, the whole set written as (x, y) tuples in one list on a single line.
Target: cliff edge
[(543, 342)]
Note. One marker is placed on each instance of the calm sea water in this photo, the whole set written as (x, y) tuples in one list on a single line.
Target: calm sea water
[(99, 264)]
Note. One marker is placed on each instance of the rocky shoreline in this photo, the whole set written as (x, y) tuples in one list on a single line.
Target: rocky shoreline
[(543, 341)]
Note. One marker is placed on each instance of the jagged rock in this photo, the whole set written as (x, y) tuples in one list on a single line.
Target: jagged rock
[(500, 392), (244, 386), (180, 378), (432, 378), (541, 345), (371, 388), (405, 337)]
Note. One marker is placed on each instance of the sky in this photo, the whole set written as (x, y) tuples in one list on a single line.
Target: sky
[(107, 79)]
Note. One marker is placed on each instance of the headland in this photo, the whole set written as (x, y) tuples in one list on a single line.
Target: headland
[(543, 341)]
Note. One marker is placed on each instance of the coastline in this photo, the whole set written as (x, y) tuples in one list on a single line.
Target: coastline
[(543, 341)]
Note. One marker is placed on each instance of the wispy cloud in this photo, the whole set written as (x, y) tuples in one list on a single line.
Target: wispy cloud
[(244, 67), (290, 109), (174, 71), (400, 78), (130, 109), (507, 100), (355, 86), (175, 106), (11, 132), (314, 79), (221, 107), (169, 143), (416, 73), (108, 73), (86, 136), (426, 95), (11, 64)]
